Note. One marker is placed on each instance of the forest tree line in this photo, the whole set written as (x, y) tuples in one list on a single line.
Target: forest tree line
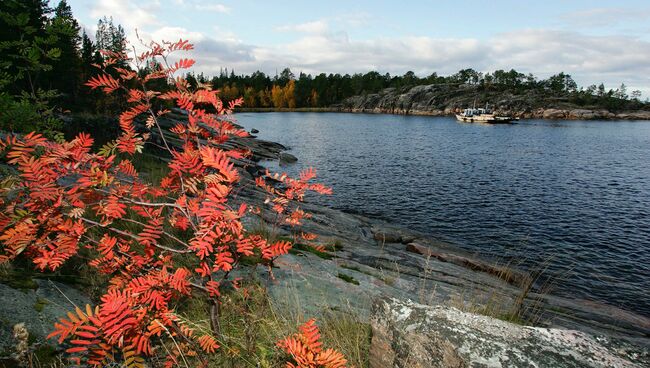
[(286, 90), (45, 59)]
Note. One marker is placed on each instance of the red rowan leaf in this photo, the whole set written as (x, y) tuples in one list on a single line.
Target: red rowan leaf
[(306, 349), (224, 261), (180, 45), (104, 81), (76, 349), (183, 64), (218, 159), (203, 269), (331, 358), (113, 208), (208, 343), (213, 288), (179, 280), (276, 249)]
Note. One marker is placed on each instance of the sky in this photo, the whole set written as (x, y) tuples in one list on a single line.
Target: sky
[(595, 41)]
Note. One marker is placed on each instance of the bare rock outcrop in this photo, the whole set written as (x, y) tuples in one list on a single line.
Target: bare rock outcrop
[(441, 99), (36, 304), (407, 334)]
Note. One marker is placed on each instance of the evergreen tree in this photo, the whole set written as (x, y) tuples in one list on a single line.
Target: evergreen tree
[(109, 36), (27, 53), (26, 49), (66, 71), (87, 55), (621, 92)]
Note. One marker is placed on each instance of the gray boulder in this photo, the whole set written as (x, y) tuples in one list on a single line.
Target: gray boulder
[(407, 334), (287, 158), (38, 308)]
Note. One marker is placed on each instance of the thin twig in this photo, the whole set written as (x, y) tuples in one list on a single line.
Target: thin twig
[(134, 237)]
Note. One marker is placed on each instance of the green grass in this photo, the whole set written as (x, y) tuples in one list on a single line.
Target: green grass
[(17, 278), (40, 304), (347, 278), (337, 245), (388, 280), (45, 356), (343, 332), (520, 307), (150, 167), (251, 325), (312, 250), (355, 268)]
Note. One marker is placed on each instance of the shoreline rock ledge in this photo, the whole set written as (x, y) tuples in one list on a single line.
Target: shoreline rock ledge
[(407, 334), (445, 100)]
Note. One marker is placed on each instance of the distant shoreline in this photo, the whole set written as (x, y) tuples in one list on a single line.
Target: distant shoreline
[(544, 114), (286, 109)]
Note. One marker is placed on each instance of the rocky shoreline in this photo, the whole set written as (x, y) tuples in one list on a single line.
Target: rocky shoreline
[(546, 114), (391, 261), (375, 261), (370, 262), (540, 113), (436, 100)]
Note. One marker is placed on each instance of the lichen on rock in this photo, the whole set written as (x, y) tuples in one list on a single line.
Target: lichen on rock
[(407, 334)]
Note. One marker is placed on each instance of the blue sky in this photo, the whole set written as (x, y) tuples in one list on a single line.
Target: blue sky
[(595, 41)]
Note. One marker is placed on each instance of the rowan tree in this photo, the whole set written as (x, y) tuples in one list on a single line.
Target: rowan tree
[(66, 197)]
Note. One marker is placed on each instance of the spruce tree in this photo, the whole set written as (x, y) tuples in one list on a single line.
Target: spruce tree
[(66, 72)]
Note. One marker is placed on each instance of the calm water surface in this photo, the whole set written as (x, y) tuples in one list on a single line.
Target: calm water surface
[(574, 195)]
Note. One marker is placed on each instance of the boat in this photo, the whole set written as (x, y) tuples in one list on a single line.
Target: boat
[(485, 115)]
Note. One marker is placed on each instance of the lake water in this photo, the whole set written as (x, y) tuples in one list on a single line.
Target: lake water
[(568, 194)]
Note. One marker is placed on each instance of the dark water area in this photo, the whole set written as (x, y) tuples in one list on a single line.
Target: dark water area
[(568, 196)]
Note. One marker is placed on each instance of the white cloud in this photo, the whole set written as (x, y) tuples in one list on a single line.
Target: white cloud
[(590, 59), (318, 26), (127, 13), (174, 34), (354, 19), (601, 17), (217, 8), (328, 25), (323, 45)]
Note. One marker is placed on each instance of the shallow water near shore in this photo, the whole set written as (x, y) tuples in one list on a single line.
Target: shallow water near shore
[(570, 196)]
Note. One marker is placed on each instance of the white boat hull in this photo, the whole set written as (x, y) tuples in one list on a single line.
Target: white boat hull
[(485, 118)]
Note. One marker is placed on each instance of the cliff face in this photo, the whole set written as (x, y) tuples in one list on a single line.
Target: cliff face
[(441, 100)]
